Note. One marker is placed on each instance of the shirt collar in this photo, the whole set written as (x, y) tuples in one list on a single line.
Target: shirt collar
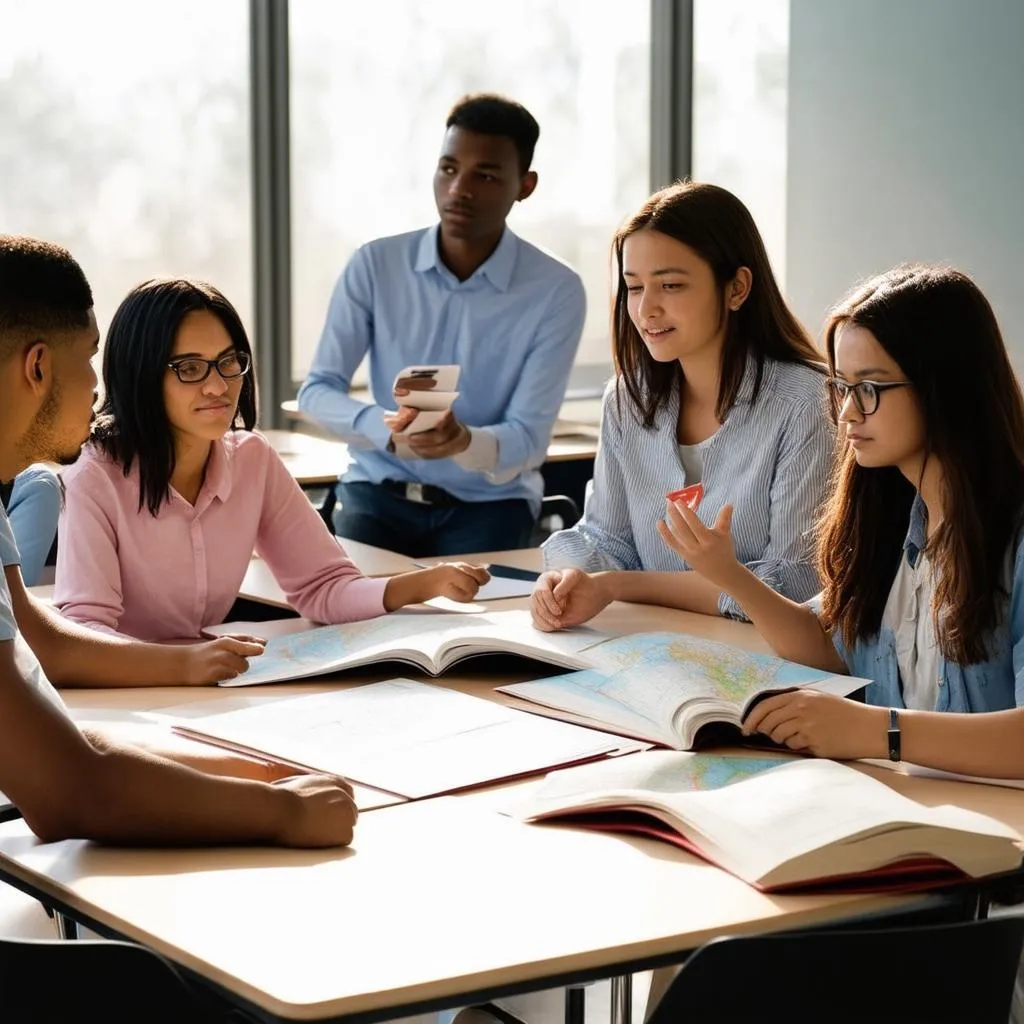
[(917, 535), (497, 268), (218, 471)]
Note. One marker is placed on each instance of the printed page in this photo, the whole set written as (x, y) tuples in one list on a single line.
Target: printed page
[(424, 637), (513, 632), (406, 737), (642, 777), (761, 823), (332, 648), (647, 680)]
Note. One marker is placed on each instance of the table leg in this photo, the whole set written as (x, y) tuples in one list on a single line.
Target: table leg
[(621, 1011), (67, 928), (575, 1004)]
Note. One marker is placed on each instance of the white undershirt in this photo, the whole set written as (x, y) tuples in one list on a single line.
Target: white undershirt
[(693, 463), (908, 613)]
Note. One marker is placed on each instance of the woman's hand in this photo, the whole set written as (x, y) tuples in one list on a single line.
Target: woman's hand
[(708, 550), (213, 661), (821, 724), (568, 597), (458, 581)]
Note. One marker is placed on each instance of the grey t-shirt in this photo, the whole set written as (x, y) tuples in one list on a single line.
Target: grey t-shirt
[(24, 658)]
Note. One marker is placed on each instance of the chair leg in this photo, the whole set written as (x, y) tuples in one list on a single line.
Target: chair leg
[(575, 1004), (67, 928), (621, 1010)]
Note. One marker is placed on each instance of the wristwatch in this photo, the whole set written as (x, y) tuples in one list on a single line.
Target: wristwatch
[(893, 735)]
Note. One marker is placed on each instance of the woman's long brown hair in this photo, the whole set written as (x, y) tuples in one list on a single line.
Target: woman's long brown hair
[(940, 329), (719, 229)]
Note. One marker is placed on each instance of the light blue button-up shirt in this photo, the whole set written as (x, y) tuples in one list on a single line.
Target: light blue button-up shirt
[(770, 460), (992, 685), (513, 327)]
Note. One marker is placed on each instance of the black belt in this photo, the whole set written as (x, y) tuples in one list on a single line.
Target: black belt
[(421, 494)]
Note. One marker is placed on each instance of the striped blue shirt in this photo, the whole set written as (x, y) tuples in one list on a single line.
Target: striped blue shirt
[(770, 460), (513, 327)]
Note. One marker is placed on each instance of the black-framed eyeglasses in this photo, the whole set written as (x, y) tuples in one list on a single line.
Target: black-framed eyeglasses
[(866, 393), (192, 370)]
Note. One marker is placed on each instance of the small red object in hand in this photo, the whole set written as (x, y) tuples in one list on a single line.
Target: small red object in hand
[(690, 496)]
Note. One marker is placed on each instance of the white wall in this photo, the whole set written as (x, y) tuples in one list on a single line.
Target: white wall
[(906, 141)]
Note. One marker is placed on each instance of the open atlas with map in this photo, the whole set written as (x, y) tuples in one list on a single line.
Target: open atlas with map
[(779, 823), (428, 639), (667, 687)]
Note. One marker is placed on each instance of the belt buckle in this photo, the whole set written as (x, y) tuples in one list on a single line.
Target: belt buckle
[(414, 492)]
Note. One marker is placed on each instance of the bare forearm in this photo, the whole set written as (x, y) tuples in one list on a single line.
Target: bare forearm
[(201, 756), (792, 629), (74, 655), (686, 590), (131, 796), (406, 588), (987, 744)]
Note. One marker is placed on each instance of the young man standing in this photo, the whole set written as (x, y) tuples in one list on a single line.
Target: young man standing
[(83, 783), (466, 291)]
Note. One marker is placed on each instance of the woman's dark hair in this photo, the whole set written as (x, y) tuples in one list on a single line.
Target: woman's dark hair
[(719, 229), (936, 324), (132, 424)]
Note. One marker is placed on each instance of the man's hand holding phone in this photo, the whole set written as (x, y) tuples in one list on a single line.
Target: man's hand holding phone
[(424, 426)]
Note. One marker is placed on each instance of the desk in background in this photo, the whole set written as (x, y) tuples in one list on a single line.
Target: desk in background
[(316, 461), (259, 583)]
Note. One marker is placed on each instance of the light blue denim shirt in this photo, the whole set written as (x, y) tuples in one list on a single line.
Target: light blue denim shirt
[(513, 327), (993, 685), (770, 460)]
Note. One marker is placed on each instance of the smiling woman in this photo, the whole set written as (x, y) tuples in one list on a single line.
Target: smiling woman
[(718, 384), (176, 490)]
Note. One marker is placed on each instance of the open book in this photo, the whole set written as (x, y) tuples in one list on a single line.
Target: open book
[(410, 738), (429, 640), (796, 825), (667, 687)]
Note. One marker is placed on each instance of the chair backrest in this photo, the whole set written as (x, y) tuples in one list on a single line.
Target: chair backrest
[(557, 512), (113, 982), (947, 972)]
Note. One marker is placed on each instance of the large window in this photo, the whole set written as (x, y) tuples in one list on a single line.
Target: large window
[(371, 85), (125, 137), (740, 99)]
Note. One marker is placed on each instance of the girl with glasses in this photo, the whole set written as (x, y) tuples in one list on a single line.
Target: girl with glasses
[(919, 545), (175, 490), (717, 383)]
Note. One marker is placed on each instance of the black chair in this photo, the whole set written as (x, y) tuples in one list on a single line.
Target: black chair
[(922, 975), (557, 512), (115, 982)]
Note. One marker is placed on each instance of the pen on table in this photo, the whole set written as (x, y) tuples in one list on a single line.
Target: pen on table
[(428, 565)]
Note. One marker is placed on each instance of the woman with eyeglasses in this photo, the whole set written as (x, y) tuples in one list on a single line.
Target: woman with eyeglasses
[(175, 491), (919, 546), (716, 383)]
